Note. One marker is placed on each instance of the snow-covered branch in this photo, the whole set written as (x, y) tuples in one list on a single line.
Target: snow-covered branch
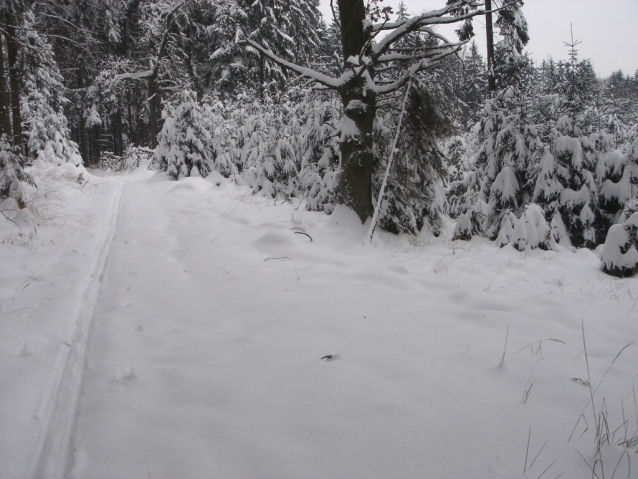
[(410, 25), (143, 75), (430, 52), (325, 80)]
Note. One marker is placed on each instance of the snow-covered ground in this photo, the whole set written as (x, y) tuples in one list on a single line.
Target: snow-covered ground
[(161, 329)]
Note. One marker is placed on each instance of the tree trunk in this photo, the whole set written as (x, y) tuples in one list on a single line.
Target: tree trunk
[(94, 145), (154, 108), (489, 32), (5, 109), (357, 158), (84, 147), (359, 106), (261, 77), (132, 137), (117, 130), (14, 80)]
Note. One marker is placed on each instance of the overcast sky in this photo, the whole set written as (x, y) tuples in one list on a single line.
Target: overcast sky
[(608, 29)]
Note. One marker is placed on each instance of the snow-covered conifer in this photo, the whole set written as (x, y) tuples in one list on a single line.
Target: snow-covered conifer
[(621, 184), (565, 182), (531, 230), (319, 168), (184, 142), (506, 157), (414, 194), (510, 143), (474, 87), (288, 28), (12, 175), (620, 253), (43, 100), (470, 223)]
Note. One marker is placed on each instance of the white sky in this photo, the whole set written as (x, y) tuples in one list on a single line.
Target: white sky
[(608, 29)]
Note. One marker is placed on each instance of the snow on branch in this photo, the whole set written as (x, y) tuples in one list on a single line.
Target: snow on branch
[(133, 75), (430, 52), (373, 54), (410, 25), (325, 80)]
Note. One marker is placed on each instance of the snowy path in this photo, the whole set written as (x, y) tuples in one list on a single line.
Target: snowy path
[(208, 333), (60, 403), (204, 358)]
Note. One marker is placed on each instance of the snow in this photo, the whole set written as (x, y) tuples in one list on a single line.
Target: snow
[(566, 144), (531, 230), (619, 253), (506, 184), (618, 239), (196, 316)]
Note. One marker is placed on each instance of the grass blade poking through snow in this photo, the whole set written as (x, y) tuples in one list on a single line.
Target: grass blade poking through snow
[(504, 349)]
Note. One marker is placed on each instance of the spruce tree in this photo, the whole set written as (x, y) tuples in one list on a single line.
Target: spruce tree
[(12, 174), (185, 144), (43, 100), (566, 187), (510, 143)]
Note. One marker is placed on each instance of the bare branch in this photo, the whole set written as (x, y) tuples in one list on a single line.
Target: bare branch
[(422, 65), (334, 14)]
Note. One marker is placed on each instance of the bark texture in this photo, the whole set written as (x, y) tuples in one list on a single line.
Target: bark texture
[(489, 32), (359, 104), (14, 82), (5, 109)]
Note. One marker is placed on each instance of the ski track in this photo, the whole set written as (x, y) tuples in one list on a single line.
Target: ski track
[(59, 406)]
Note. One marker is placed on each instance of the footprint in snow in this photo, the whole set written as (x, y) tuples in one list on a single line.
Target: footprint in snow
[(23, 350), (126, 374)]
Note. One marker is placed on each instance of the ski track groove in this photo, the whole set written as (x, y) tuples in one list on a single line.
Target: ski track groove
[(60, 401)]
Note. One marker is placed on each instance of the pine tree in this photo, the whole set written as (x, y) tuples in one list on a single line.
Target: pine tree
[(331, 56), (402, 11), (474, 90), (43, 100), (566, 187), (185, 145), (12, 174), (620, 251), (414, 194), (288, 28), (510, 143)]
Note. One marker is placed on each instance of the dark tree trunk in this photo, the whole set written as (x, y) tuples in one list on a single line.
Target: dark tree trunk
[(261, 76), (132, 137), (14, 81), (83, 144), (117, 130), (94, 144), (5, 109), (154, 108), (359, 105), (489, 32)]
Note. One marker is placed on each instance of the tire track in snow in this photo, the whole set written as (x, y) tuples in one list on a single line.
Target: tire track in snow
[(61, 399)]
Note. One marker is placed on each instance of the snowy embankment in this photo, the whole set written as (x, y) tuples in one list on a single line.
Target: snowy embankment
[(441, 359)]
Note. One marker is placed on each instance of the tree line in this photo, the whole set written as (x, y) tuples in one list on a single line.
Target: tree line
[(267, 92)]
